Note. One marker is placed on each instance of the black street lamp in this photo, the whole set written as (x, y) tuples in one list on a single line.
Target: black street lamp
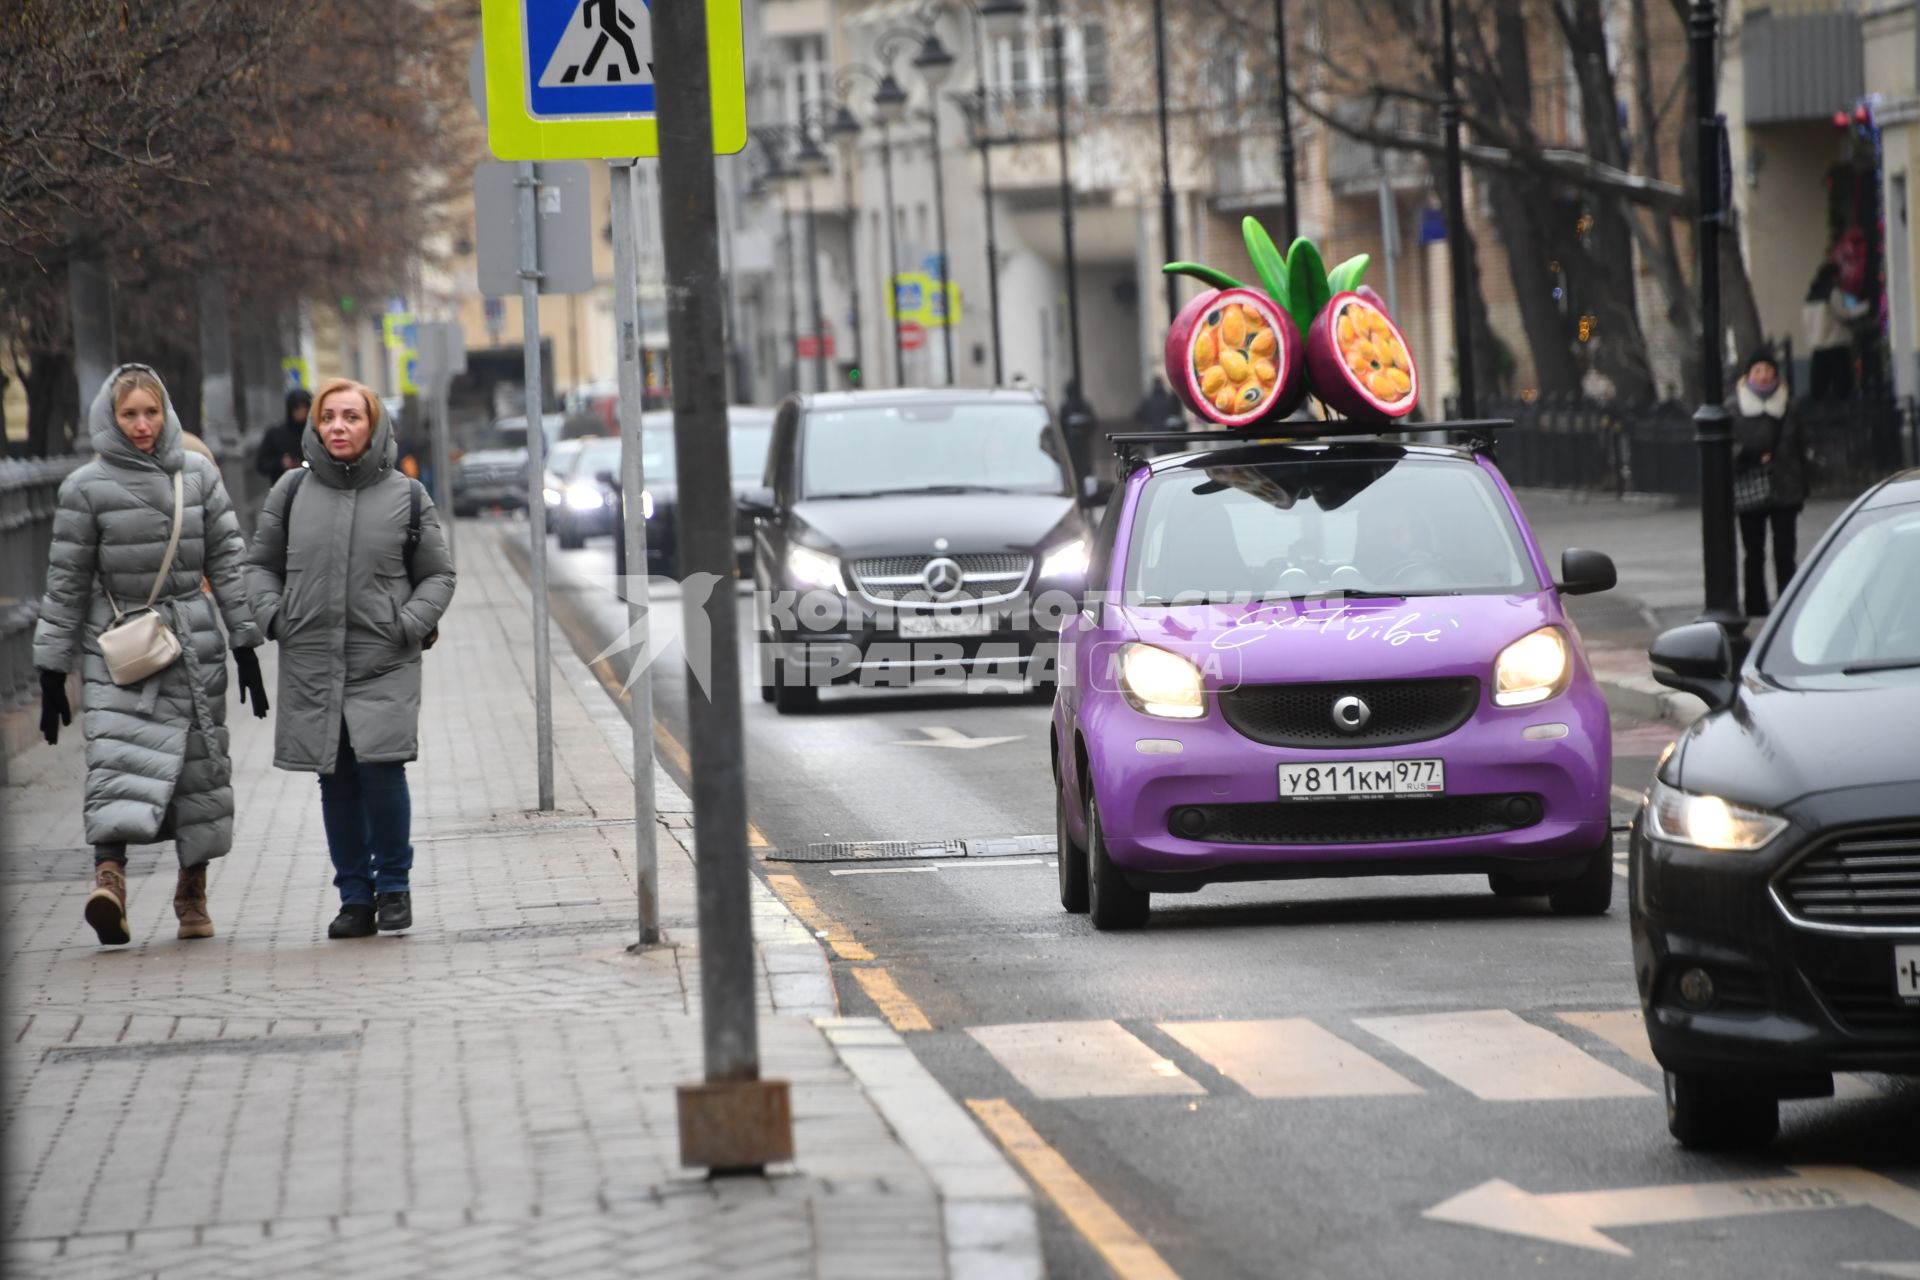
[(844, 130), (773, 180), (889, 107), (1456, 216), (975, 105), (1713, 429), (809, 163), (1168, 248), (934, 62), (1292, 224), (1057, 47)]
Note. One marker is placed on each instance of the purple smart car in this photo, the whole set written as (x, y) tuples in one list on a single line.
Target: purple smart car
[(1326, 657)]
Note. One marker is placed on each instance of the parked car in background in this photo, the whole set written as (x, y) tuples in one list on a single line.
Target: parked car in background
[(1774, 871), (586, 499), (748, 431), (492, 469)]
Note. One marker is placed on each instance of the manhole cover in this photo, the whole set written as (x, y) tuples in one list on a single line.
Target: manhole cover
[(870, 851), (1009, 846)]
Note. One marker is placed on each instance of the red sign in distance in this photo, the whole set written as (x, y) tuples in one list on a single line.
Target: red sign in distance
[(913, 336), (807, 347)]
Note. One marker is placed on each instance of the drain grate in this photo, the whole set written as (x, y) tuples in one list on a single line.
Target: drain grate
[(870, 851), (558, 929), (239, 1046), (902, 850)]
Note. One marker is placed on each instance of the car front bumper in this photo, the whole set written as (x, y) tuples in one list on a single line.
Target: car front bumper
[(1790, 1004), (1559, 789)]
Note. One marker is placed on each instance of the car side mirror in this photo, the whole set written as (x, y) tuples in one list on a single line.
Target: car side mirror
[(1696, 659), (1584, 572), (757, 501)]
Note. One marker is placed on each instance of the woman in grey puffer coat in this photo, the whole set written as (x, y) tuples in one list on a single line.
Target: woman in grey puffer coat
[(332, 584), (157, 764)]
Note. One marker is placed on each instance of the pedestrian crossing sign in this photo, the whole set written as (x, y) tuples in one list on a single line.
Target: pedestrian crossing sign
[(573, 79)]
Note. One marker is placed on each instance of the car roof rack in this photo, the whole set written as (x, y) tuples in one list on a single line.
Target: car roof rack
[(1477, 435)]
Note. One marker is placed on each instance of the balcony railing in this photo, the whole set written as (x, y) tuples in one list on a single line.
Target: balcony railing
[(1802, 60)]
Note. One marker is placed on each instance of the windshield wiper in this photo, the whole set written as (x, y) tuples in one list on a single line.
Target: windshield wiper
[(1880, 664)]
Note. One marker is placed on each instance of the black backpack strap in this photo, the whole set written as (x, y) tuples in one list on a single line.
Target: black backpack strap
[(412, 544)]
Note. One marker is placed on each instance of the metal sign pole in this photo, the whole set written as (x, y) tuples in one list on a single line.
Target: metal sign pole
[(443, 455), (528, 182), (735, 1120), (633, 479)]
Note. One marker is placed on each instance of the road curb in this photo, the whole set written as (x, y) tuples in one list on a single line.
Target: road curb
[(992, 1230)]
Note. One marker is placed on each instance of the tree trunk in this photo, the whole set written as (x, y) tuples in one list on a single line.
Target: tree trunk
[(52, 402)]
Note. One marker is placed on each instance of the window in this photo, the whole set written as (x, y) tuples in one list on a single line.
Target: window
[(806, 74), (1093, 64)]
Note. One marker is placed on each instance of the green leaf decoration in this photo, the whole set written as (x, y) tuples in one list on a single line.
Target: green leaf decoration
[(1200, 271), (1347, 275), (1308, 291), (1267, 261)]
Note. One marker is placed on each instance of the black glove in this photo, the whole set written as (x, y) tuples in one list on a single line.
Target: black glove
[(55, 710), (246, 664)]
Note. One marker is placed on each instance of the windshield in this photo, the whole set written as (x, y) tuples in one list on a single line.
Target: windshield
[(1859, 614), (560, 459), (596, 456), (511, 433), (931, 447), (1354, 527), (747, 445)]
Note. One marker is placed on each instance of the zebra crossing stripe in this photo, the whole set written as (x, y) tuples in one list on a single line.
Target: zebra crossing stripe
[(1621, 1028), (1288, 1058), (1082, 1060), (1498, 1056)]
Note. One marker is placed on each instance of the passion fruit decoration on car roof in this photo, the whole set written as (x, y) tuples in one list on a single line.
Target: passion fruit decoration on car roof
[(1235, 354)]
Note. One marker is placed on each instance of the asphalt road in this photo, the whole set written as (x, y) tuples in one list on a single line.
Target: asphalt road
[(1285, 1079)]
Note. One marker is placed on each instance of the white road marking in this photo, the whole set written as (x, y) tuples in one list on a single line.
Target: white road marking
[(1621, 1028), (1288, 1058), (1576, 1218), (1898, 1270), (1082, 1060), (983, 864), (1629, 797), (954, 740), (876, 871), (1498, 1056)]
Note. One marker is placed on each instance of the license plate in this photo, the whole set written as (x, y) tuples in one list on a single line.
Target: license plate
[(1906, 973), (922, 625), (1348, 779)]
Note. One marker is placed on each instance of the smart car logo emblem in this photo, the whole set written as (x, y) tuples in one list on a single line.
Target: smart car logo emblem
[(943, 578), (1350, 714)]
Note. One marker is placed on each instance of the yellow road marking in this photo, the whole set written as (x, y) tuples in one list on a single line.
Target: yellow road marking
[(844, 944), (1130, 1256), (897, 1006)]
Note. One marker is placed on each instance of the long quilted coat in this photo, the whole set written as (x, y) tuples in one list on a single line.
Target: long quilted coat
[(330, 585), (161, 743)]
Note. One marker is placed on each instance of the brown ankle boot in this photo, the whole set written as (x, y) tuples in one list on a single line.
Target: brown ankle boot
[(190, 903), (106, 908)]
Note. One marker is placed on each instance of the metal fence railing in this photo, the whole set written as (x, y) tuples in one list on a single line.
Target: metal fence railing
[(1597, 446), (28, 493)]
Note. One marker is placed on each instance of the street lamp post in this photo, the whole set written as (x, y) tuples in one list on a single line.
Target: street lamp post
[(934, 62), (1456, 215), (810, 162), (1057, 45), (889, 105), (1167, 230), (844, 129), (1713, 429), (1292, 223)]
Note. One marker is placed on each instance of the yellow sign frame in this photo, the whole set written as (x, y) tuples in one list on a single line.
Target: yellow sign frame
[(514, 133)]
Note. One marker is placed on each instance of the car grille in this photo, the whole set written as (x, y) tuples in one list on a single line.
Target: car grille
[(1362, 821), (1872, 1007), (983, 576), (1301, 715), (1859, 881)]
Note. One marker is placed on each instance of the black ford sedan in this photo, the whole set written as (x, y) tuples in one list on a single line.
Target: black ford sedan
[(1775, 867)]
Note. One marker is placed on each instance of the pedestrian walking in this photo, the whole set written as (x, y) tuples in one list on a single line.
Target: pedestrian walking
[(279, 450), (1829, 316), (1077, 421), (137, 529), (1770, 464), (350, 575)]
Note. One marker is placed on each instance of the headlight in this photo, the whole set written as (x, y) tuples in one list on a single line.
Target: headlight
[(1531, 669), (1708, 822), (552, 496), (646, 505), (585, 497), (1066, 561), (810, 568), (1160, 683)]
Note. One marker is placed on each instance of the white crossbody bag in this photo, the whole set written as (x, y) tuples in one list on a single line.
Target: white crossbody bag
[(139, 643)]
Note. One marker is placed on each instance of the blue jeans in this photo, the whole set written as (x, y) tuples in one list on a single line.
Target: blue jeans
[(368, 815)]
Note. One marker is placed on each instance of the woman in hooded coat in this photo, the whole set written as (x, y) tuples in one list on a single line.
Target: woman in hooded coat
[(335, 585), (1769, 476), (157, 764)]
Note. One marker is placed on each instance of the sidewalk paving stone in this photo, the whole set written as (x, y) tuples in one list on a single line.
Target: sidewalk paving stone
[(491, 1094)]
